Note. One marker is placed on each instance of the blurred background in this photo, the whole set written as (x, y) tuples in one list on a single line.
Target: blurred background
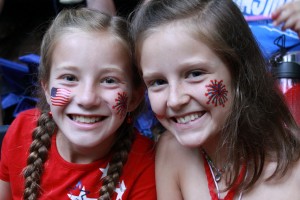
[(22, 25)]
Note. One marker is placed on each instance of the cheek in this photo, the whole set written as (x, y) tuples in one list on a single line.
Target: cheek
[(218, 98), (157, 104), (120, 103), (216, 93)]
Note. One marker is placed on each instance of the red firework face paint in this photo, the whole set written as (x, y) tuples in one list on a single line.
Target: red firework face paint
[(121, 104), (60, 96), (216, 93)]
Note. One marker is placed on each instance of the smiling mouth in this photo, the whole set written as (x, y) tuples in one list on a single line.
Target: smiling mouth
[(85, 119), (188, 118)]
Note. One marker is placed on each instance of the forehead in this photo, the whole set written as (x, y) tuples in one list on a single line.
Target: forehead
[(174, 43), (93, 41), (91, 49), (103, 36)]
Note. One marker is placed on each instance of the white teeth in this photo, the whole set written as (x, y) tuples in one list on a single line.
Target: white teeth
[(188, 118), (88, 120)]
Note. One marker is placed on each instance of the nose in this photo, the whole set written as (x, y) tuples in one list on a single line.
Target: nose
[(88, 96), (178, 97)]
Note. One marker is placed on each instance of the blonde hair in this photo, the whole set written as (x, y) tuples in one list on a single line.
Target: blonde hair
[(67, 21)]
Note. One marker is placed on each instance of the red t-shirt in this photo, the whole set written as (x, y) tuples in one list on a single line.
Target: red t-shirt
[(64, 180)]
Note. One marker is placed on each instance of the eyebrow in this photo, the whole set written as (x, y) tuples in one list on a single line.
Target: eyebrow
[(151, 74), (183, 66), (66, 67), (112, 68), (107, 68)]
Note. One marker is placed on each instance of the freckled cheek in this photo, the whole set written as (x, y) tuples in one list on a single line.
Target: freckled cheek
[(157, 102)]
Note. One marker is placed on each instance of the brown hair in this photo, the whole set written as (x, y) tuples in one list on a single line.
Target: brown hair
[(67, 21), (260, 126)]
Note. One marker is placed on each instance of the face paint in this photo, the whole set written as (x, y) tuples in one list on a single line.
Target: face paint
[(217, 93), (158, 116), (121, 104), (60, 96)]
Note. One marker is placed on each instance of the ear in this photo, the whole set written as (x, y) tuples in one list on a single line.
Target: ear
[(46, 91), (137, 97)]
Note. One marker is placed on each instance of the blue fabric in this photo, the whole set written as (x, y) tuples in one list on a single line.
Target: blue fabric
[(30, 59), (266, 36), (9, 100), (17, 85), (263, 29), (146, 120), (259, 7)]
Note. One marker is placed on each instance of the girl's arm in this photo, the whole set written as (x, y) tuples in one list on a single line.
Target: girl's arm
[(167, 178), (5, 190)]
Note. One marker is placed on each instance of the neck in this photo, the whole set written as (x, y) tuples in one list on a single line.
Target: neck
[(82, 154), (215, 152)]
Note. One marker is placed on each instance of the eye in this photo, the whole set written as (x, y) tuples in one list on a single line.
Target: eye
[(195, 73), (109, 80), (69, 77), (156, 83)]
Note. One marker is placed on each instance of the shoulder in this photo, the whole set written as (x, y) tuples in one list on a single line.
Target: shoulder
[(142, 151), (21, 127), (167, 142), (139, 169), (142, 144), (30, 116), (17, 141), (293, 175), (279, 187), (169, 146), (178, 169), (140, 165), (172, 157)]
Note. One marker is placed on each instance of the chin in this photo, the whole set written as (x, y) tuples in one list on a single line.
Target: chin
[(191, 143)]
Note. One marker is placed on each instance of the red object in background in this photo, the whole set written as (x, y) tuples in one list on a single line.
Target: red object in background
[(287, 74), (290, 87), (292, 97)]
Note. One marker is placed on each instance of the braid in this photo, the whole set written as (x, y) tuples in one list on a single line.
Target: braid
[(122, 148), (37, 156)]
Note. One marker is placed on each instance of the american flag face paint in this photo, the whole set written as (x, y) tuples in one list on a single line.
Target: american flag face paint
[(121, 104), (216, 93), (60, 96)]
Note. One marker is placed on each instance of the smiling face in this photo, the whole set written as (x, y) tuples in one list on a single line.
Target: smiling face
[(189, 86), (94, 72)]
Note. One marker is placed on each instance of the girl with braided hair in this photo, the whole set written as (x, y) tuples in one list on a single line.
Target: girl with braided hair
[(80, 143), (230, 134)]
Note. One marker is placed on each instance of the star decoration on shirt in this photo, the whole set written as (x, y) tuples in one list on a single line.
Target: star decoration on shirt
[(120, 190), (104, 171), (81, 196)]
